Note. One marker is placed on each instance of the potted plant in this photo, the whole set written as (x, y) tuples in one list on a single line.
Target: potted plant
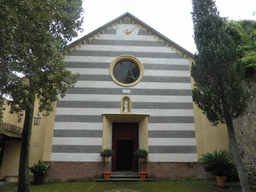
[(221, 163), (39, 170), (141, 154), (106, 153)]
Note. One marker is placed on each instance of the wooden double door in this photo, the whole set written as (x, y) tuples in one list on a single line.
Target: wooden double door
[(125, 143)]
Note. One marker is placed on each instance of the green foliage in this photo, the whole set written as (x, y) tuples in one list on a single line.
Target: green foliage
[(141, 153), (243, 34), (39, 169), (107, 153), (32, 35), (218, 75), (232, 175), (220, 162)]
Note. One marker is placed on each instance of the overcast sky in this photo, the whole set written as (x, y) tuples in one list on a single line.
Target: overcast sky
[(172, 18)]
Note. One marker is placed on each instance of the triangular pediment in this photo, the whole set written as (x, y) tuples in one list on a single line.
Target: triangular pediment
[(127, 17)]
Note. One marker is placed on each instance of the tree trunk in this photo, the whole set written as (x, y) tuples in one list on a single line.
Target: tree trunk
[(23, 179), (141, 165), (238, 162)]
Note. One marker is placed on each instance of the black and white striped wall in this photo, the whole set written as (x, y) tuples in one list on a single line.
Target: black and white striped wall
[(164, 94)]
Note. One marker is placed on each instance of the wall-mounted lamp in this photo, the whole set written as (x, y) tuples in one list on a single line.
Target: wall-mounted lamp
[(37, 119)]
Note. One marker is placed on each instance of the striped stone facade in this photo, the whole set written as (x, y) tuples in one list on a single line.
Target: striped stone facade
[(163, 96)]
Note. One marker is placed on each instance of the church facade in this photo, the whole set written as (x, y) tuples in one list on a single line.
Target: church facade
[(134, 92)]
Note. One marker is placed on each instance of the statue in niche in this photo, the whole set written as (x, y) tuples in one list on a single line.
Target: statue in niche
[(125, 106)]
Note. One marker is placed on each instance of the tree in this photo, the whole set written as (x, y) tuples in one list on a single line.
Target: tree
[(1, 110), (243, 34), (218, 89), (32, 35)]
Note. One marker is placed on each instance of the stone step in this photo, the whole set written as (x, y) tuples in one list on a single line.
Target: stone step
[(124, 175), (124, 180)]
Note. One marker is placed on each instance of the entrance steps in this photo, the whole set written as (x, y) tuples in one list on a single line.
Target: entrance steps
[(124, 176), (128, 175)]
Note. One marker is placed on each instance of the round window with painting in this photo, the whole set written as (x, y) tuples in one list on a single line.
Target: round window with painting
[(126, 70)]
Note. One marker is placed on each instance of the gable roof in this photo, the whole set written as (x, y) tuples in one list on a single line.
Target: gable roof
[(137, 21)]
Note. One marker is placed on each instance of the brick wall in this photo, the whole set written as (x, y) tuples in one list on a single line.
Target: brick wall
[(80, 171), (177, 170), (73, 171)]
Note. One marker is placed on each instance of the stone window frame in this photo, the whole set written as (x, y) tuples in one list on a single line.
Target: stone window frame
[(125, 58)]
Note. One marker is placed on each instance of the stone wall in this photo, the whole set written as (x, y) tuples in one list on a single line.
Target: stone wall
[(245, 129)]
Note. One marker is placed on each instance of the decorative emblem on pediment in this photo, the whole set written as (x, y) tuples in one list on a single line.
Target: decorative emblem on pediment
[(127, 31)]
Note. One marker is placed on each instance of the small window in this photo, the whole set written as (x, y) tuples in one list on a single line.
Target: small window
[(126, 70)]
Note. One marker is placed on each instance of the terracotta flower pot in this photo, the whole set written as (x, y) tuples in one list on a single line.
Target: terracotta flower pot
[(143, 175), (106, 175), (221, 180)]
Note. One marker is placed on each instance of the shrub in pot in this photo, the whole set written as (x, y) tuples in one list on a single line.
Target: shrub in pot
[(39, 170), (221, 163), (106, 153), (141, 153)]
